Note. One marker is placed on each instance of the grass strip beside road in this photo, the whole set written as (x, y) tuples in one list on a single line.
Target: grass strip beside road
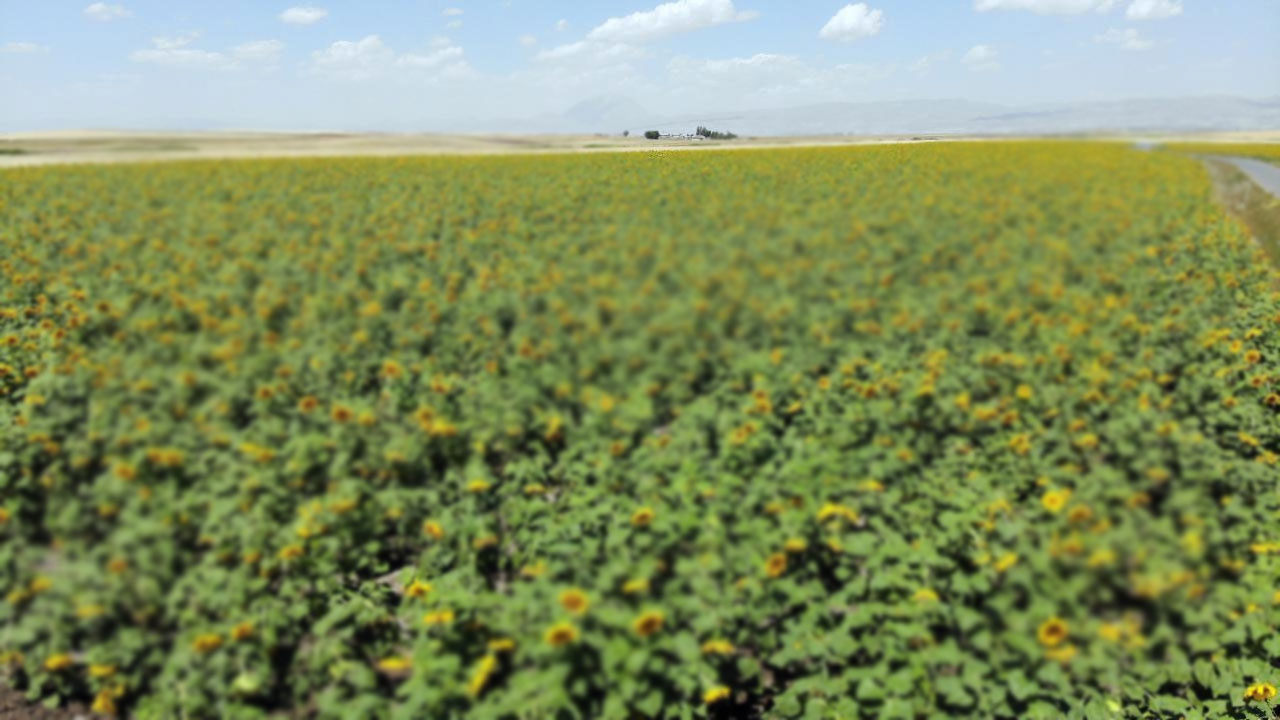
[(1255, 207)]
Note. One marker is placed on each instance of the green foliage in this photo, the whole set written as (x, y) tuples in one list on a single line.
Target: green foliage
[(957, 430), (713, 134)]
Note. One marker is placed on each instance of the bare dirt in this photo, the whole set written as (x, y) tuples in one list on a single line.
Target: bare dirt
[(19, 149), (77, 146), (14, 706)]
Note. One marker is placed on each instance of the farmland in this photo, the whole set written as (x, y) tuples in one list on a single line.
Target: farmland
[(945, 430)]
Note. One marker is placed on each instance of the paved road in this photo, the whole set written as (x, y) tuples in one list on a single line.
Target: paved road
[(1266, 175)]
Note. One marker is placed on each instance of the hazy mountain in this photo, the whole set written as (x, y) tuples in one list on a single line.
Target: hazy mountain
[(607, 112), (869, 118), (1177, 114), (913, 117)]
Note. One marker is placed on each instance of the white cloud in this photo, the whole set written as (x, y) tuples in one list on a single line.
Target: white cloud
[(592, 51), (667, 19), (1153, 9), (179, 57), (22, 48), (357, 59), (768, 80), (451, 12), (176, 51), (1138, 9), (565, 51), (981, 57), (175, 42), (303, 15), (767, 62), (1128, 39), (563, 84), (370, 57), (433, 59), (1047, 7), (265, 51), (103, 12), (853, 22), (528, 41), (562, 25), (755, 79), (453, 24)]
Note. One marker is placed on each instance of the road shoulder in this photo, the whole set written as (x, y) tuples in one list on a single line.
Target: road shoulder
[(1258, 209)]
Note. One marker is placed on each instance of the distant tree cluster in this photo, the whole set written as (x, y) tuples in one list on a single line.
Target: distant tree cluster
[(714, 134), (704, 132)]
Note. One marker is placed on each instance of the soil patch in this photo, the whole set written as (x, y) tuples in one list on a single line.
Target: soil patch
[(15, 706)]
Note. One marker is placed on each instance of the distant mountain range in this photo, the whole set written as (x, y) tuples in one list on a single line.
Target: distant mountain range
[(922, 117)]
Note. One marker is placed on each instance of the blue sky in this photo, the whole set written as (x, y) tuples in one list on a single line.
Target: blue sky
[(441, 64)]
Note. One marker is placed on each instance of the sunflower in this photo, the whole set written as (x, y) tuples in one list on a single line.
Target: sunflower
[(1055, 500), (648, 623), (394, 666), (58, 662), (438, 617), (1260, 692), (775, 565), (636, 586), (1052, 632), (717, 647), (480, 676), (242, 631), (206, 642), (575, 601), (836, 510), (561, 634), (715, 694), (417, 589), (104, 703), (642, 517), (501, 644), (392, 369)]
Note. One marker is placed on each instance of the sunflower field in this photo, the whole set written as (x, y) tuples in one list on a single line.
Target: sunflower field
[(938, 430)]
